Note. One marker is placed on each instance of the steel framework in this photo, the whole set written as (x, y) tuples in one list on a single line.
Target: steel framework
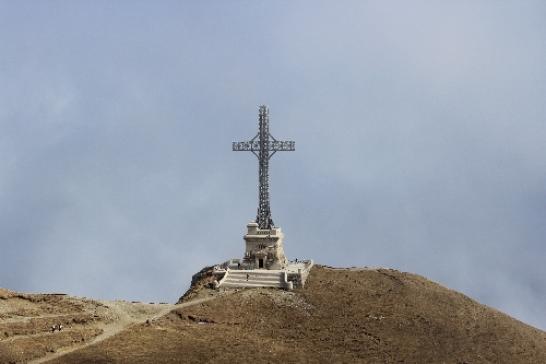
[(263, 146)]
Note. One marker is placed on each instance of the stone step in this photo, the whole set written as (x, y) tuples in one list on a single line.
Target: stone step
[(241, 281), (254, 274), (250, 285), (257, 271), (252, 277), (257, 281), (253, 281), (256, 278)]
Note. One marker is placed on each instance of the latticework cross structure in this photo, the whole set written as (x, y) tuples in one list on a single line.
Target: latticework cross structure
[(264, 145)]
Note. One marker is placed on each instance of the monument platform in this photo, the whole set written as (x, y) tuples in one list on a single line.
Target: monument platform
[(292, 276)]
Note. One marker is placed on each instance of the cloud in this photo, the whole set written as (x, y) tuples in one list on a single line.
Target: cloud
[(419, 142)]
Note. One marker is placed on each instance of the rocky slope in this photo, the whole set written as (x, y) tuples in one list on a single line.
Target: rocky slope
[(342, 315)]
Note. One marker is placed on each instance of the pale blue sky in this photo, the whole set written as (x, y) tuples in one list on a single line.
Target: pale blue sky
[(420, 130)]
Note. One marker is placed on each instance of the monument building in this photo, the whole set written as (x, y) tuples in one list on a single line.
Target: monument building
[(264, 263)]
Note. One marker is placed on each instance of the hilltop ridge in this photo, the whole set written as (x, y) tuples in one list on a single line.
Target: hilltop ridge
[(342, 315)]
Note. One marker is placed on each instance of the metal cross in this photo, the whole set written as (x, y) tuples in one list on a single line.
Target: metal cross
[(264, 145)]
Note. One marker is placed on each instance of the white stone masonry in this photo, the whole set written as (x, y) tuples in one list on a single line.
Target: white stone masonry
[(294, 275), (264, 248)]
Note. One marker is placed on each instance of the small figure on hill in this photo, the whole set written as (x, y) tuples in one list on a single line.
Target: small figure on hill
[(247, 275)]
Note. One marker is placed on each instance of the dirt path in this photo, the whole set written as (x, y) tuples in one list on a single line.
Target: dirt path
[(128, 315)]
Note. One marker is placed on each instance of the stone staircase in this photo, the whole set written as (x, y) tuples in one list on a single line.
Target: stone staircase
[(256, 278)]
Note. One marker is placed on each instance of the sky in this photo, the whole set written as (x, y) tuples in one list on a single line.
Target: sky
[(420, 132)]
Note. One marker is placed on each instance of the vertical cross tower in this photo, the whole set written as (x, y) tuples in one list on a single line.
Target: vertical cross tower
[(264, 145)]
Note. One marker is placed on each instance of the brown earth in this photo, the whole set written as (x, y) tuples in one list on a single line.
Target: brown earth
[(26, 322), (342, 315)]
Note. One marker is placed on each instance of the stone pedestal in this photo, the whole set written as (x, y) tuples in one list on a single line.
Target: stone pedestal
[(264, 248)]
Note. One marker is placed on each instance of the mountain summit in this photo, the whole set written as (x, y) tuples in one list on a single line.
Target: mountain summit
[(342, 315)]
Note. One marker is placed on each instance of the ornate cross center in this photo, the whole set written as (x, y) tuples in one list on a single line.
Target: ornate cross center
[(264, 145)]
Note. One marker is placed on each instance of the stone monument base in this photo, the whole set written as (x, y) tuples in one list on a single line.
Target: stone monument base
[(264, 263), (292, 276), (264, 248)]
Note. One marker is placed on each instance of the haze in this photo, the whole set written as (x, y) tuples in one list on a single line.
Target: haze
[(420, 132)]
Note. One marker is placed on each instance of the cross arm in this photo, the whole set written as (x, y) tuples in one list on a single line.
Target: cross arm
[(273, 146)]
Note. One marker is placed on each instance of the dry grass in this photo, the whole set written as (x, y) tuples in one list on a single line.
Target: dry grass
[(368, 316), (26, 321)]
